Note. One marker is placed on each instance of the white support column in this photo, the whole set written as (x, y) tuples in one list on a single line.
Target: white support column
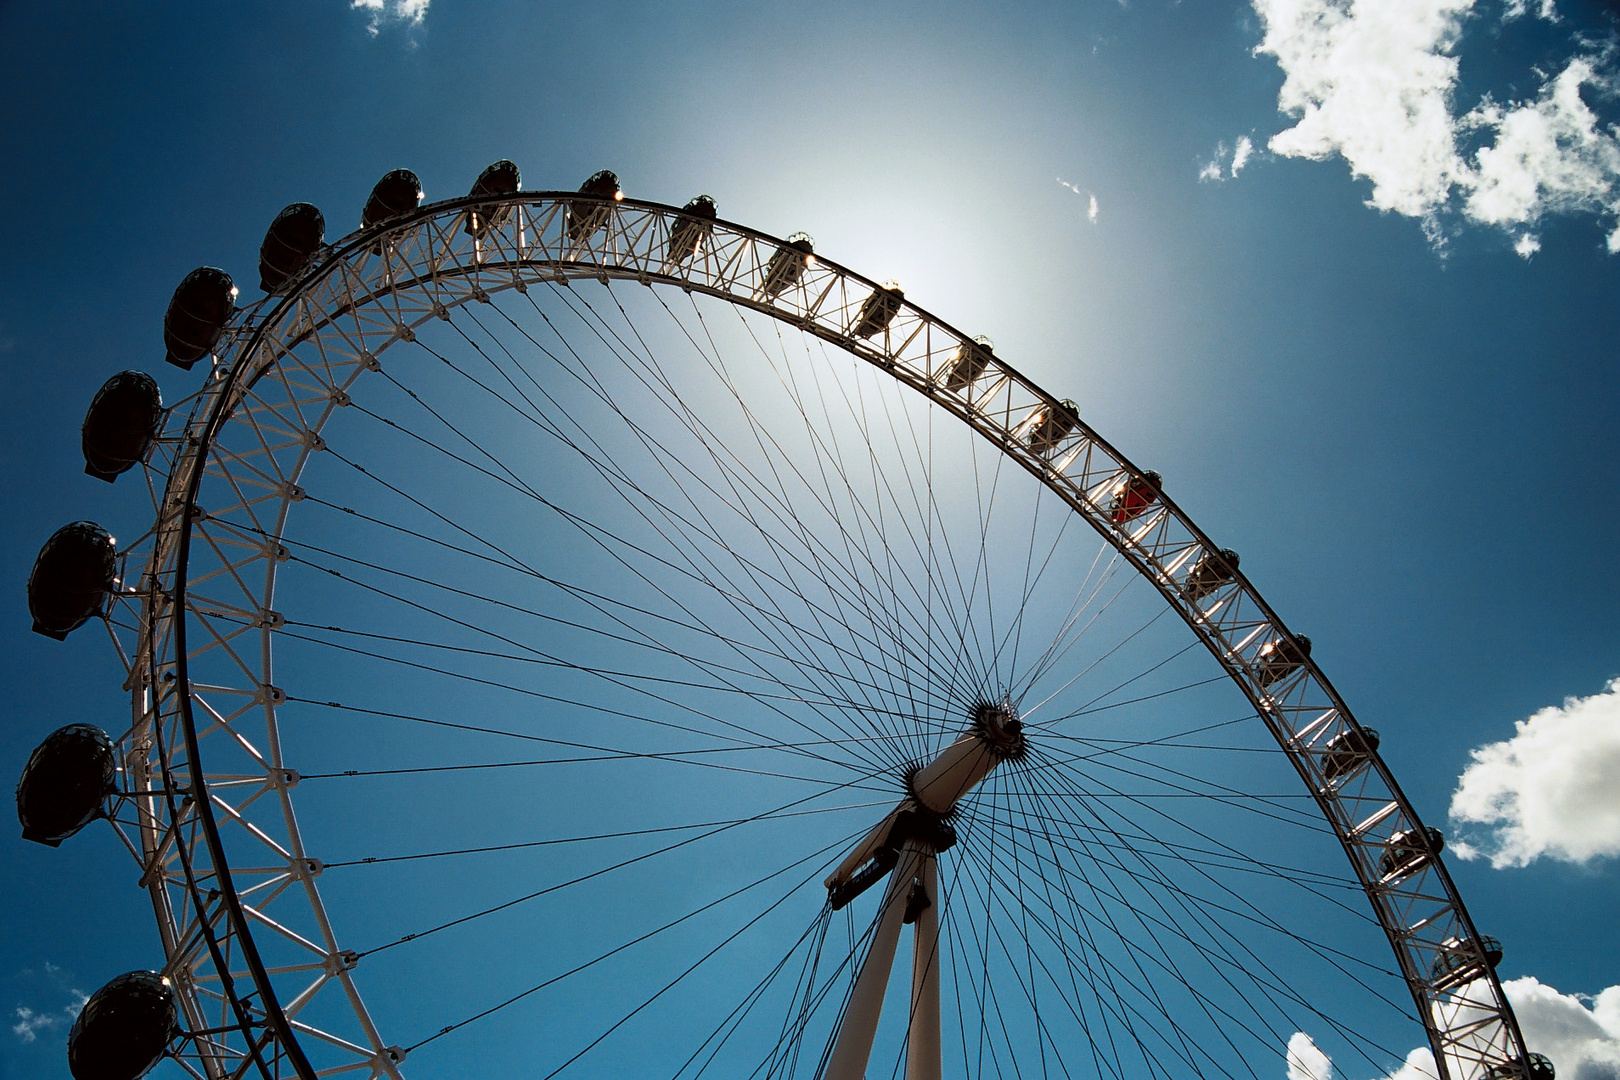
[(858, 1027), (922, 1040)]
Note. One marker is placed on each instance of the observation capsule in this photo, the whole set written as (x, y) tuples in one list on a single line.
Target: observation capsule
[(1459, 964), (124, 1029), (1538, 1068), (62, 786), (1409, 851), (289, 244), (1212, 570), (70, 579), (879, 310), (1048, 424), (497, 180), (1133, 500), (201, 306), (967, 364), (398, 192), (787, 265), (692, 230), (585, 217), (121, 424), (1347, 752), (1280, 658)]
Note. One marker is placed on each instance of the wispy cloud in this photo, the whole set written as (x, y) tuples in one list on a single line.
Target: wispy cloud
[(1550, 789), (30, 1023), (1092, 209), (1227, 161), (381, 12), (1374, 84), (1241, 153)]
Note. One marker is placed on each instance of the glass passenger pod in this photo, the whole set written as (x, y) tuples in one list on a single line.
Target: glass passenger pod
[(1409, 851), (1539, 1067), (1134, 499), (398, 192), (1212, 570), (71, 578), (968, 363), (692, 229), (498, 179), (202, 304), (66, 780), (1347, 752), (121, 424), (1048, 425), (586, 216), (1280, 658), (787, 264), (124, 1029), (1459, 963), (289, 246), (879, 310)]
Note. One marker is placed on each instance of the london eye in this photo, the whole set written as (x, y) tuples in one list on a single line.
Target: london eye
[(688, 656)]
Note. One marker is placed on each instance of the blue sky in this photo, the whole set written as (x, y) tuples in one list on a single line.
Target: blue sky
[(1345, 275)]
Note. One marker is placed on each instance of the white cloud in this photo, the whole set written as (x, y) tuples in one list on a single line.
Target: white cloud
[(1091, 200), (1419, 1065), (1550, 789), (1240, 154), (1527, 245), (1581, 1040), (1305, 1061), (29, 1024), (1550, 156), (409, 12), (1545, 9), (1373, 82), (1227, 161), (1583, 1043)]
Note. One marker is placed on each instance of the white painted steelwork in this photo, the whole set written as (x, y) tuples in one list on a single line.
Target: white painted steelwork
[(202, 759)]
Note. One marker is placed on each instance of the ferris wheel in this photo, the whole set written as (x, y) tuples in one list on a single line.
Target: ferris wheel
[(657, 625)]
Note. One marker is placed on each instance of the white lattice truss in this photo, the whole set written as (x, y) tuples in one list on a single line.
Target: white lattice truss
[(249, 947)]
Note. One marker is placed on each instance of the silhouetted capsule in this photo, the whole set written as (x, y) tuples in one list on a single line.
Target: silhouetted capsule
[(1047, 425), (691, 231), (398, 192), (1133, 500), (63, 785), (1280, 658), (1409, 851), (1212, 570), (201, 306), (124, 1029), (879, 310), (496, 181), (1348, 751), (968, 363), (586, 216), (289, 244), (1460, 962), (788, 263), (121, 424), (1539, 1068), (71, 578)]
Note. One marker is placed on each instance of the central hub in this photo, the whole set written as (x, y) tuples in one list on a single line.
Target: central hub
[(994, 734)]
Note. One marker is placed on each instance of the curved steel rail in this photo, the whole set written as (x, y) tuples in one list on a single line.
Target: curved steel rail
[(369, 292)]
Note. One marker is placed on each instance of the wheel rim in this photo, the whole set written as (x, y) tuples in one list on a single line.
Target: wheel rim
[(377, 289)]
